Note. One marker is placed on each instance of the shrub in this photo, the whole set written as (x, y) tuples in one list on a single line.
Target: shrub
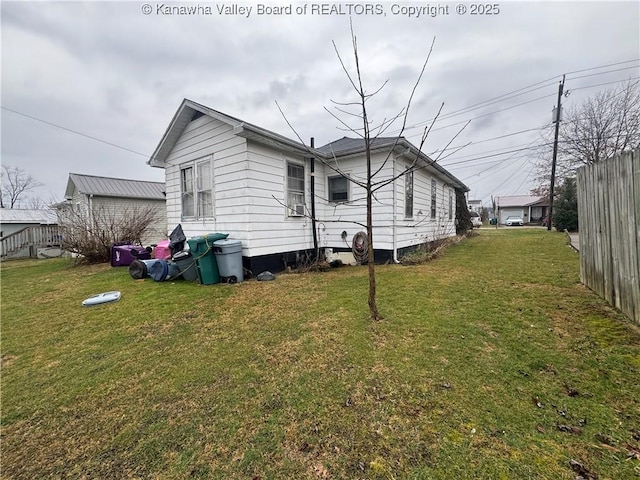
[(90, 235), (566, 207)]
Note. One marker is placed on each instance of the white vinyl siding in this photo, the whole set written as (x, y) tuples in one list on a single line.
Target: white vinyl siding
[(253, 185), (208, 137), (115, 208), (408, 194), (434, 200)]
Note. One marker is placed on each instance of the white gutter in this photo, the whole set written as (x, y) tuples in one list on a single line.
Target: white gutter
[(91, 209), (393, 223)]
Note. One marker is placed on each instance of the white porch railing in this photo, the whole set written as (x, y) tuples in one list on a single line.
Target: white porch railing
[(30, 237)]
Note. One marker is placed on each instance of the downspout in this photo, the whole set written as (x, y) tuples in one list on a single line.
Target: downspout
[(313, 203), (91, 209), (393, 221)]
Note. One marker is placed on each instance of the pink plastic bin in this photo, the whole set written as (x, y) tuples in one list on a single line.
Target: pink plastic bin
[(162, 250)]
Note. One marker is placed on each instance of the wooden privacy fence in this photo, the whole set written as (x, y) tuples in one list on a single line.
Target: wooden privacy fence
[(609, 222)]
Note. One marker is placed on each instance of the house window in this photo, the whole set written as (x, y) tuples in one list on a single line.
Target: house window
[(204, 184), (408, 194), (338, 189), (450, 205), (295, 189), (196, 190), (433, 199), (186, 189)]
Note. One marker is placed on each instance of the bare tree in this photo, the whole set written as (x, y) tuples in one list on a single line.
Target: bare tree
[(14, 184), (372, 138), (36, 203), (598, 129), (90, 234)]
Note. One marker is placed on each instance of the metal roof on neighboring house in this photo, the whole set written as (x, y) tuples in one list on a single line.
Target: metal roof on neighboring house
[(114, 187), (518, 201), (20, 215)]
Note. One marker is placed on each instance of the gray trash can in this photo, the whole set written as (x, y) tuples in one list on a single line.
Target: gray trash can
[(187, 265), (229, 258)]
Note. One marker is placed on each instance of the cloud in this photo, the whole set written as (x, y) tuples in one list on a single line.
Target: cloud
[(107, 70)]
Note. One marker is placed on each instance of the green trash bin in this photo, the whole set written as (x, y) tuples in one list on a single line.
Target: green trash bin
[(202, 250)]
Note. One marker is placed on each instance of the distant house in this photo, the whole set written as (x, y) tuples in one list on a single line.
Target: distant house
[(475, 205), (23, 231), (115, 197), (228, 176), (532, 209)]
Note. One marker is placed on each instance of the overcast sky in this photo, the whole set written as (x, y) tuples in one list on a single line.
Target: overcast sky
[(117, 71)]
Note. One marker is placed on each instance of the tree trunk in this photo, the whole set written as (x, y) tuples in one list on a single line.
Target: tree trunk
[(373, 306)]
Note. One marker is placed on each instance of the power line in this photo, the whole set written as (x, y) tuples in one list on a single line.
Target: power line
[(496, 154), (604, 66), (74, 131), (476, 106), (490, 113), (604, 73), (509, 95), (603, 84), (492, 139), (530, 146)]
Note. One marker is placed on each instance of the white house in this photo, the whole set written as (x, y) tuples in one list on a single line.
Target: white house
[(228, 176), (531, 208), (475, 205), (24, 231), (116, 197)]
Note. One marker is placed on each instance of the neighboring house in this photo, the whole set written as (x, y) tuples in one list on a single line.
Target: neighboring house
[(532, 209), (475, 206), (97, 197), (23, 231), (228, 176)]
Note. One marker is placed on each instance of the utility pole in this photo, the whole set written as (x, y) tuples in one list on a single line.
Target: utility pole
[(555, 152)]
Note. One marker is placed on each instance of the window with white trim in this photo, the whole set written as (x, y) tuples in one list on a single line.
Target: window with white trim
[(196, 189), (186, 191), (204, 189), (295, 189), (338, 188), (433, 198), (450, 205), (408, 194)]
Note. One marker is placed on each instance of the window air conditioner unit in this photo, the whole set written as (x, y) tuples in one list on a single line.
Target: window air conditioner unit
[(297, 210)]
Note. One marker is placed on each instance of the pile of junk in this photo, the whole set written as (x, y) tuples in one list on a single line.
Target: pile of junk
[(208, 259)]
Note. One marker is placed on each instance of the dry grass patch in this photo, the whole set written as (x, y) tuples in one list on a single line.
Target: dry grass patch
[(469, 375)]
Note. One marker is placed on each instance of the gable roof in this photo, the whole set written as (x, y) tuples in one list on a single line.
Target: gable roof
[(518, 201), (28, 215), (342, 147), (189, 108), (350, 146), (114, 187)]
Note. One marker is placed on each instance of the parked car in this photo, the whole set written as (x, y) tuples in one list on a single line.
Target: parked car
[(511, 221), (476, 221)]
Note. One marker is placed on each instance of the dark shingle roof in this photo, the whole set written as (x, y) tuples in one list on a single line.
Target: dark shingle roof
[(346, 144)]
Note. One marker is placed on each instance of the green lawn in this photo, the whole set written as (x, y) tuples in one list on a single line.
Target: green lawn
[(492, 362)]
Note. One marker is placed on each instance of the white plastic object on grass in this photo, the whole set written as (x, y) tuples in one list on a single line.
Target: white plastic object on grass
[(101, 298)]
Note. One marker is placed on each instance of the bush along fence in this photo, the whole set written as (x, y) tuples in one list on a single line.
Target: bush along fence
[(609, 219)]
